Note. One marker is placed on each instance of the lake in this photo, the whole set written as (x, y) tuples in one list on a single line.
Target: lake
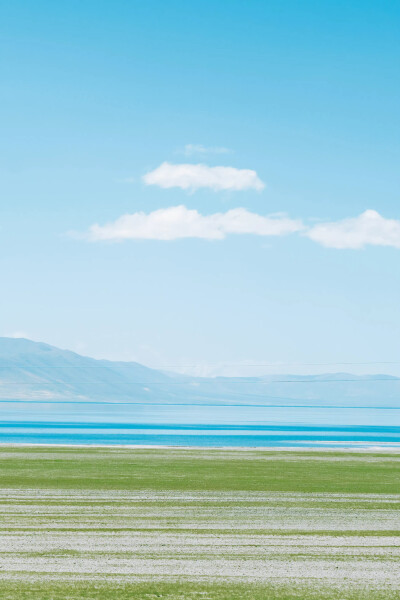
[(300, 425)]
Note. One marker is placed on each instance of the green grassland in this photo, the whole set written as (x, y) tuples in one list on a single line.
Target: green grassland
[(186, 591), (197, 469), (198, 524)]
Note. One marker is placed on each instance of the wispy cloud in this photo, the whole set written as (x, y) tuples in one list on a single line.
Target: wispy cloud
[(369, 228), (192, 177), (179, 222), (191, 149)]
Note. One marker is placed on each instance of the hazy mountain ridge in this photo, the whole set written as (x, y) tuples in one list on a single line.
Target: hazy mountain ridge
[(37, 371)]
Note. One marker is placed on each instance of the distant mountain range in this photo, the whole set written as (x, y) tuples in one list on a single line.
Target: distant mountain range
[(32, 371)]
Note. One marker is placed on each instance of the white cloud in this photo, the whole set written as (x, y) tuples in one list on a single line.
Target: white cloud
[(191, 149), (179, 222), (192, 177), (369, 228)]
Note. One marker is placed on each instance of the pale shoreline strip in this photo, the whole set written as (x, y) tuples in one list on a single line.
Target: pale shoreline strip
[(350, 447)]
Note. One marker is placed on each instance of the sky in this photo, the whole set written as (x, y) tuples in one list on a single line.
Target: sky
[(203, 186)]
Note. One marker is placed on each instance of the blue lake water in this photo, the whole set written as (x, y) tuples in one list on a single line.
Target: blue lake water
[(198, 425), (176, 435)]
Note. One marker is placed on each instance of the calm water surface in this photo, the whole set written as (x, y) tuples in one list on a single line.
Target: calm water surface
[(198, 425)]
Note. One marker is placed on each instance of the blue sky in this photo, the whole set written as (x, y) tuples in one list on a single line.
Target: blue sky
[(303, 96)]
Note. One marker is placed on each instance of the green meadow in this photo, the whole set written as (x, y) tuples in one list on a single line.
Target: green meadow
[(191, 524), (199, 469)]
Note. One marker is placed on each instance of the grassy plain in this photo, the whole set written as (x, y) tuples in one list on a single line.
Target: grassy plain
[(198, 524)]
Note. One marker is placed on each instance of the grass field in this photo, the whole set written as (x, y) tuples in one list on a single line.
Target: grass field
[(198, 524)]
